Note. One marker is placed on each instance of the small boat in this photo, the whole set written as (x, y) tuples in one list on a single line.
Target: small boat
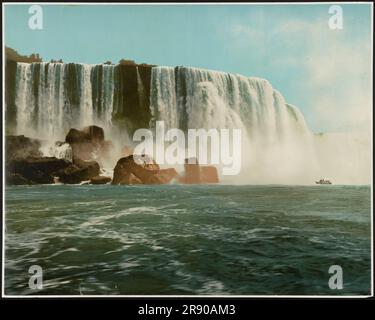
[(323, 181)]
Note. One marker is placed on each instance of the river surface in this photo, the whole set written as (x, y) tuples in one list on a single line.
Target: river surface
[(187, 240)]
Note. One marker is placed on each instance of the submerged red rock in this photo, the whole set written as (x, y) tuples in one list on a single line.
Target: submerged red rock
[(196, 174), (209, 174)]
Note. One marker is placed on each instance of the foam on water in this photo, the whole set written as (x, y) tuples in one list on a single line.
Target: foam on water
[(211, 240)]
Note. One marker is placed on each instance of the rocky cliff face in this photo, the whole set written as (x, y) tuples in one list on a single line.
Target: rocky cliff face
[(79, 161), (70, 95), (132, 96), (48, 99), (25, 164), (10, 94), (12, 57)]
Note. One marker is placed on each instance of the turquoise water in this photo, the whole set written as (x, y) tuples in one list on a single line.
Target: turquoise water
[(177, 239)]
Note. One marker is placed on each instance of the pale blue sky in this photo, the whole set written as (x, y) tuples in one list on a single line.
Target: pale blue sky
[(326, 73)]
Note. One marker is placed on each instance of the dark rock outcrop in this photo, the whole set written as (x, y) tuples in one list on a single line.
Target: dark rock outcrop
[(13, 55), (10, 95), (34, 170), (136, 170), (76, 136), (78, 171), (17, 179), (92, 134), (88, 141), (20, 147), (100, 180), (25, 165), (131, 99)]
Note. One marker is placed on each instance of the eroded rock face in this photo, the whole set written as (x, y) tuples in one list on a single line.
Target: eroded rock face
[(136, 170), (20, 147), (34, 170), (167, 175), (127, 171), (26, 165), (124, 177), (88, 143), (78, 171), (95, 133), (100, 180), (17, 179), (209, 174), (192, 172), (92, 134)]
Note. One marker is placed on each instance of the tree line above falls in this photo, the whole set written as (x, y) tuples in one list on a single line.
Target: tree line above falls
[(13, 55)]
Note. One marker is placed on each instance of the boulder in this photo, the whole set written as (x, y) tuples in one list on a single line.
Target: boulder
[(166, 175), (17, 179), (95, 133), (77, 136), (192, 172), (26, 165), (88, 143), (141, 169), (34, 170), (196, 174), (209, 174), (124, 171), (125, 178), (100, 180), (79, 171), (87, 134), (20, 147)]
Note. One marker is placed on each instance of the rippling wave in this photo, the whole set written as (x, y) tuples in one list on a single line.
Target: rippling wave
[(175, 239)]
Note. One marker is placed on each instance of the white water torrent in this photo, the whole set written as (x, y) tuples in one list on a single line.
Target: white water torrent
[(275, 134), (24, 98), (277, 145), (163, 97), (107, 90), (48, 103), (141, 89), (60, 150), (86, 103)]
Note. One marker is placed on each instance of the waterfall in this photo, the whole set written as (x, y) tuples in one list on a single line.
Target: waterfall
[(60, 150), (51, 98), (86, 103), (276, 137), (24, 98), (196, 98), (278, 147), (163, 101), (140, 88), (103, 85)]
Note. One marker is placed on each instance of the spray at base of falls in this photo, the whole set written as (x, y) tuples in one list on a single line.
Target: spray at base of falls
[(277, 146), (273, 131)]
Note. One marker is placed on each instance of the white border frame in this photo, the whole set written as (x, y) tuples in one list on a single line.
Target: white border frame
[(4, 4)]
